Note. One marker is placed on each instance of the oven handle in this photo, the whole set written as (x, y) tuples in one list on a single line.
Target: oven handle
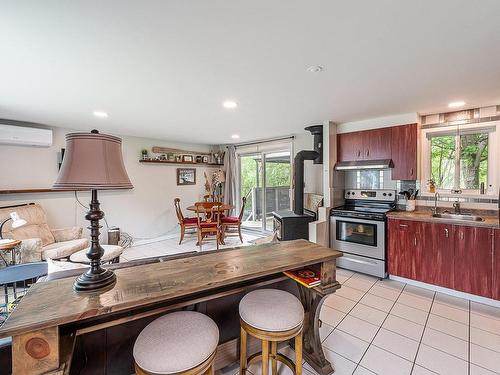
[(360, 261)]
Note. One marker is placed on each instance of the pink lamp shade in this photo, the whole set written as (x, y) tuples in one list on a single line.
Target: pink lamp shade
[(93, 161)]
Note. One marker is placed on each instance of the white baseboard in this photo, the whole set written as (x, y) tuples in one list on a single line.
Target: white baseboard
[(451, 292)]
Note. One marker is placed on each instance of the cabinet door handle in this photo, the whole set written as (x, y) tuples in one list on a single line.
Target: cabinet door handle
[(415, 240), (411, 171), (461, 235), (446, 233), (367, 153), (403, 225), (359, 153)]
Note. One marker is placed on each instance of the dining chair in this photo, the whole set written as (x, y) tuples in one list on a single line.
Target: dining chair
[(184, 222), (234, 222), (212, 224)]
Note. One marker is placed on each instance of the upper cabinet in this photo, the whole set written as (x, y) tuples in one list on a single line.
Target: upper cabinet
[(365, 145), (404, 152)]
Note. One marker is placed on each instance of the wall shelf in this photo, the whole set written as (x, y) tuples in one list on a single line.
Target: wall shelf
[(27, 191), (180, 163)]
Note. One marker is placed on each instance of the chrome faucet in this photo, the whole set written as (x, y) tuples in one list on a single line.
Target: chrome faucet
[(456, 206), (436, 197)]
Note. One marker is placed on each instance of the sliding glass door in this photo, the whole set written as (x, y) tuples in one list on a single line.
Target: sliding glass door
[(264, 180)]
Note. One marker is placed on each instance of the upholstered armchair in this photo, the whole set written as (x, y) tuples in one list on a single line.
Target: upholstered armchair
[(39, 242)]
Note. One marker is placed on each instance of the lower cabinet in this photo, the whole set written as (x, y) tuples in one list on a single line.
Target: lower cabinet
[(496, 265), (452, 256), (474, 260), (435, 265)]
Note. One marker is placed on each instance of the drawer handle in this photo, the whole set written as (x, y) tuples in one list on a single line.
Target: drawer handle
[(403, 225)]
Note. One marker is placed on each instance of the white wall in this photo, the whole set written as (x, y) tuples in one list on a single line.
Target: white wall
[(379, 122), (313, 173), (145, 211)]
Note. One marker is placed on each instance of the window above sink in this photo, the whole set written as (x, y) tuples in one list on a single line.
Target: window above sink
[(460, 158)]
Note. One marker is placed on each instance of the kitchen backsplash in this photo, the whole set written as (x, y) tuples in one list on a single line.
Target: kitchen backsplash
[(381, 179)]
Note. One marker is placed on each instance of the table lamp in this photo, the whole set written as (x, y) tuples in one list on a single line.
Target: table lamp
[(16, 222), (93, 161)]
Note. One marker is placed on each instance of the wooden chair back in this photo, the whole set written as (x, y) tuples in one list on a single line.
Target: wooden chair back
[(178, 211), (243, 203), (211, 209)]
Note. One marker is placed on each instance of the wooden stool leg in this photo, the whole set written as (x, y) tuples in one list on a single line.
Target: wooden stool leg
[(265, 357), (210, 370), (274, 362), (243, 351), (298, 354)]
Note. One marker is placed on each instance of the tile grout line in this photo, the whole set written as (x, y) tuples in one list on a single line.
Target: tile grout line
[(423, 332), (352, 308), (379, 328), (468, 346)]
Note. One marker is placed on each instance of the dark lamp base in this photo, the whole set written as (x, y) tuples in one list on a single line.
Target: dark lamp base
[(89, 282)]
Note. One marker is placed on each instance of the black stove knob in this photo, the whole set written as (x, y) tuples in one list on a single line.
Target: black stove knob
[(384, 194), (353, 193), (390, 194)]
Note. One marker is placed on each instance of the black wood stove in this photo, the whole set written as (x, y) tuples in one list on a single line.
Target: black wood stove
[(292, 225)]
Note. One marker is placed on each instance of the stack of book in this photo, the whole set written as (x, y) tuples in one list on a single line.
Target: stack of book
[(305, 276)]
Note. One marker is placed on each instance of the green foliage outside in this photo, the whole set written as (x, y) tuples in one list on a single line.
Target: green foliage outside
[(277, 174), (472, 159)]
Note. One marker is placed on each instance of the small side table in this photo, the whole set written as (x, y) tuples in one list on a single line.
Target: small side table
[(10, 246)]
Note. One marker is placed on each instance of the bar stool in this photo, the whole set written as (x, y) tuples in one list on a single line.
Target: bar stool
[(271, 316), (182, 342)]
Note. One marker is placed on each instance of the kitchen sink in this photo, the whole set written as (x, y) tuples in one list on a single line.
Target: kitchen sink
[(458, 217)]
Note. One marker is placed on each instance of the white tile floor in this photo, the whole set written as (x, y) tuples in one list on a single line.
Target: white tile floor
[(171, 246), (385, 327)]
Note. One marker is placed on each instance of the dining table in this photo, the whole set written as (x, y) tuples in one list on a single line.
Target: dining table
[(223, 207)]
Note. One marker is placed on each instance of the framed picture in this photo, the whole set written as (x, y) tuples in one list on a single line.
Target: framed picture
[(188, 158), (186, 176)]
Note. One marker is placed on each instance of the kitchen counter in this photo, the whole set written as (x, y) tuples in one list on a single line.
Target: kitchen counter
[(51, 317), (490, 221)]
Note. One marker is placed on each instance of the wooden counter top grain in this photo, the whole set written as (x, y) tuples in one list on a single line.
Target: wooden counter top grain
[(490, 221), (54, 303)]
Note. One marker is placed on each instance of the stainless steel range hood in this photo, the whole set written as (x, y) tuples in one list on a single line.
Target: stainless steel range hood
[(364, 164)]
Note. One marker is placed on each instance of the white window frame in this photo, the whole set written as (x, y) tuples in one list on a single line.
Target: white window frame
[(493, 155)]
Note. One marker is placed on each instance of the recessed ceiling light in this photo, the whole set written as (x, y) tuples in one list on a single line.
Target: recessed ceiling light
[(235, 136), (229, 104), (100, 114), (456, 104), (315, 69)]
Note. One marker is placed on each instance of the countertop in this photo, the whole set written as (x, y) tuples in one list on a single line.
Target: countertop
[(54, 303), (490, 221)]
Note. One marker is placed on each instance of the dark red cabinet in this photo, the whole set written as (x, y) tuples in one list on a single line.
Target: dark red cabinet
[(403, 248), (435, 264), (452, 256), (496, 264), (377, 144), (364, 145), (474, 260), (404, 152), (350, 146)]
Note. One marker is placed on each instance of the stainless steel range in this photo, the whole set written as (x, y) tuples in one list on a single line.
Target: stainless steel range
[(358, 229)]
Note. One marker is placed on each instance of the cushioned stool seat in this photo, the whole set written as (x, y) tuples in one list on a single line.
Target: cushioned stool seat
[(271, 310), (271, 316), (176, 343)]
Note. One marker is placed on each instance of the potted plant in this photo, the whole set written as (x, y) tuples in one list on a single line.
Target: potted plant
[(432, 185), (144, 154)]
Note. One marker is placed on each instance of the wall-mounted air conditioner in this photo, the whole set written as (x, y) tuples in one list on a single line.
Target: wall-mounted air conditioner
[(23, 136)]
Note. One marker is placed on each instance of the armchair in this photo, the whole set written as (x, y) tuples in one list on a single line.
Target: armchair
[(39, 241)]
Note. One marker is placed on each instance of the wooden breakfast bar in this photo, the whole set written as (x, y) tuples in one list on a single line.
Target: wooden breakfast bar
[(55, 330)]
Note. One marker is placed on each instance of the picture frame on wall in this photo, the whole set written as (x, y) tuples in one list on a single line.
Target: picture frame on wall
[(186, 176), (187, 158)]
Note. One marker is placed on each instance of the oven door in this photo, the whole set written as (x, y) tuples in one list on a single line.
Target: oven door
[(358, 236)]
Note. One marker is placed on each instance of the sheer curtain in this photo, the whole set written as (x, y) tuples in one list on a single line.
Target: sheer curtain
[(230, 169)]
